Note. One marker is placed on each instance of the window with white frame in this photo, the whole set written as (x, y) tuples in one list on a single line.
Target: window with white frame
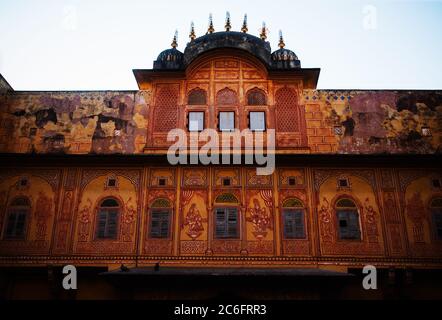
[(227, 121), (257, 121), (196, 121)]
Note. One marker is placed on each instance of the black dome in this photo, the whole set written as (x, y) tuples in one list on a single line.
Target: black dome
[(169, 59), (281, 59), (228, 39), (285, 59)]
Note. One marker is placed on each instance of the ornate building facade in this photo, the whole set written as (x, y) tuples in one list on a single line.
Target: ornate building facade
[(85, 179)]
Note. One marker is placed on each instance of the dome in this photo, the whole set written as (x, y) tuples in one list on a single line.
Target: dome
[(228, 39), (259, 47), (285, 59), (169, 59)]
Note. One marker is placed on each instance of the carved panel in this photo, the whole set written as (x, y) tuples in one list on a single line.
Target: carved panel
[(254, 180), (194, 177), (193, 247), (162, 177), (161, 193), (370, 219), (262, 247), (390, 208), (227, 63), (284, 194), (407, 176), (158, 247), (105, 247), (226, 246), (327, 233), (90, 174), (291, 178), (233, 174), (62, 236), (296, 247), (69, 183), (42, 213), (387, 179), (23, 247), (51, 176), (394, 235), (417, 213), (321, 175)]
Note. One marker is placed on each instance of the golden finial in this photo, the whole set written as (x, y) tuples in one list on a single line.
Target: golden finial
[(244, 24), (263, 34), (175, 40), (211, 29), (192, 34), (281, 40), (228, 26)]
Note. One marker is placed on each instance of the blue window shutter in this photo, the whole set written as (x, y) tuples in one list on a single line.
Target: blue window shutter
[(293, 223), (165, 221), (232, 223), (160, 222), (21, 223), (111, 225), (10, 228), (343, 224), (288, 225), (299, 224), (353, 218), (220, 223), (102, 217)]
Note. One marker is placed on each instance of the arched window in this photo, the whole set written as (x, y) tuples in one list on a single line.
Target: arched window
[(18, 213), (293, 219), (256, 97), (226, 96), (436, 212), (197, 97), (348, 219), (160, 217), (226, 198), (108, 214), (226, 217)]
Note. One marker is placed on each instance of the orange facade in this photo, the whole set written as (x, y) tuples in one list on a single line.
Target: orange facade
[(87, 181), (394, 207)]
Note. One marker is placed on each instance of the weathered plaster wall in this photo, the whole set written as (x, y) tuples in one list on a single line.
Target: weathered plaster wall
[(354, 122), (375, 121), (74, 122)]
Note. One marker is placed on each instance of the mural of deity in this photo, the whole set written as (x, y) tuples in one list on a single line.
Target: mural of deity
[(324, 214), (194, 222), (260, 219)]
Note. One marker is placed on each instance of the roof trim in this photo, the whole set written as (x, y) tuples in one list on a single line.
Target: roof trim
[(2, 79)]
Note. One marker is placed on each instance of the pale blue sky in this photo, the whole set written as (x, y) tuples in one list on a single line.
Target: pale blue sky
[(95, 44)]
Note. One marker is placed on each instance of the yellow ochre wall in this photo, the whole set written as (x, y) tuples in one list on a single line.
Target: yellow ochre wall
[(393, 206)]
